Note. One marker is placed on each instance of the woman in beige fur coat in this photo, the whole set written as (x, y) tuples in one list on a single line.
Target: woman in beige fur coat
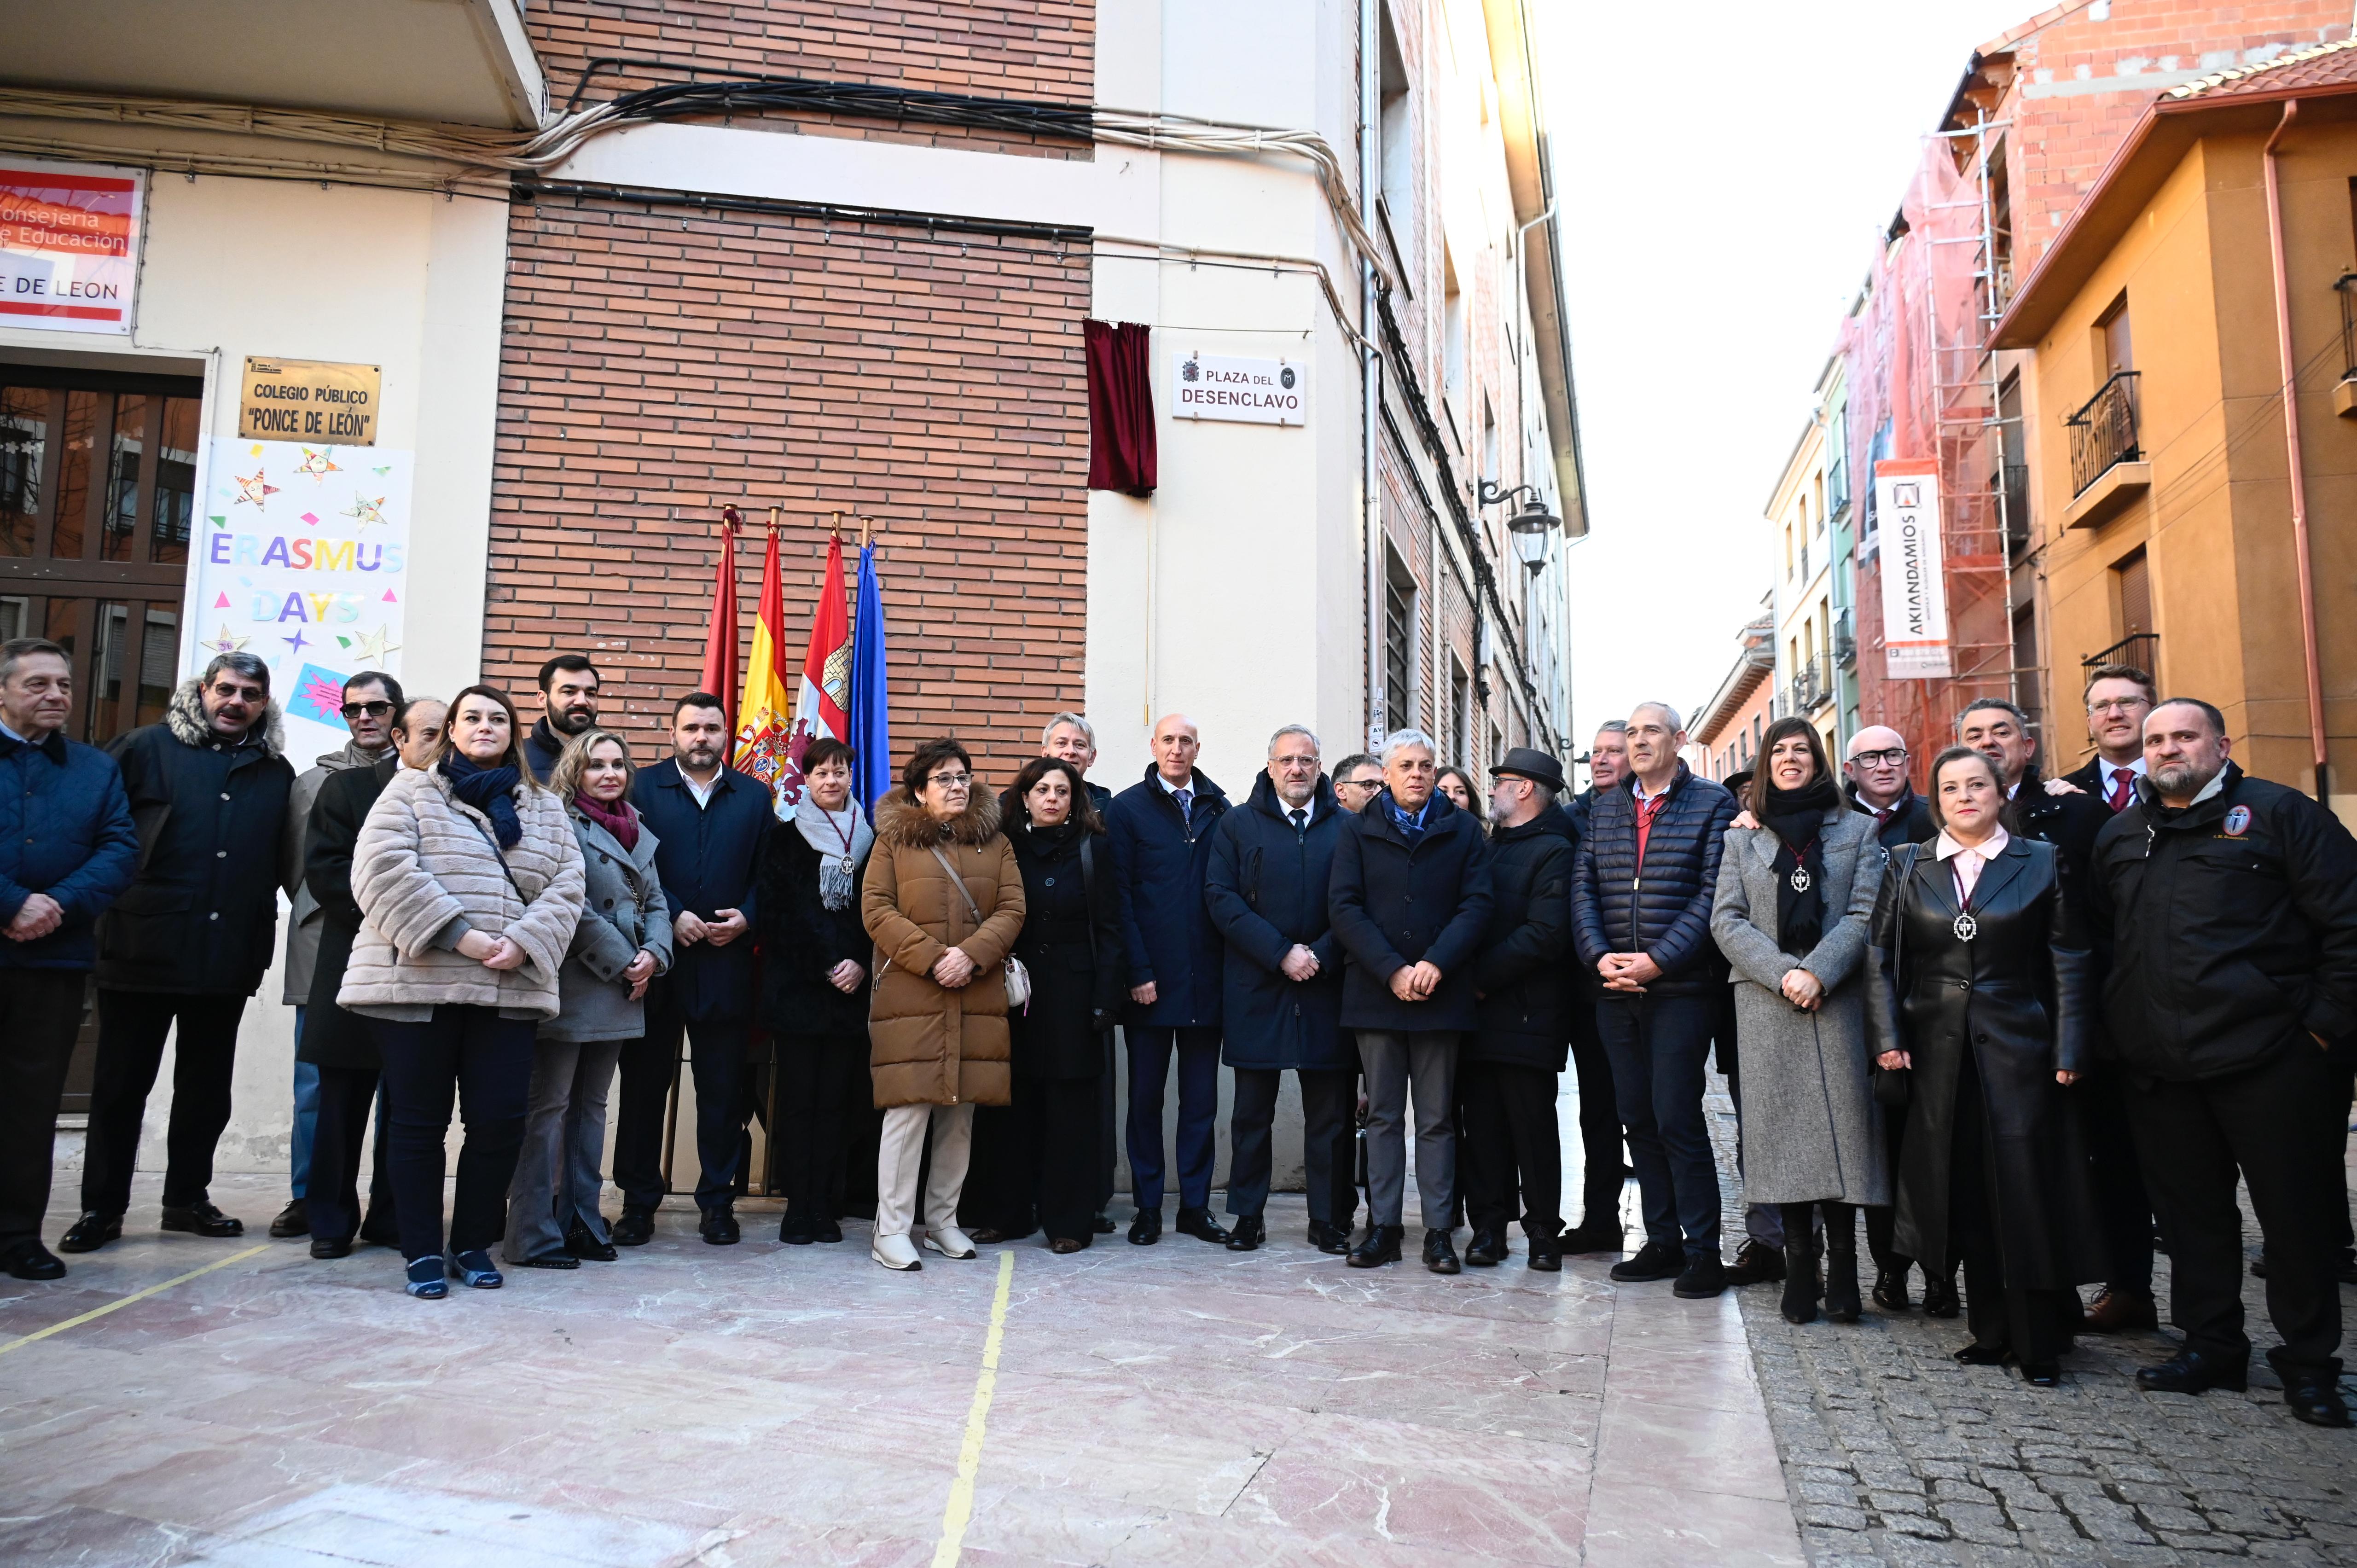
[(944, 900), (470, 884)]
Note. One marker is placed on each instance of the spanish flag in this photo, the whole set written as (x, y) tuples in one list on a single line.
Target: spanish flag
[(827, 680), (763, 727)]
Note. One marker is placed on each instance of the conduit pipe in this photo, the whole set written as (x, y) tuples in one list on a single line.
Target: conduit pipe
[(1370, 365), (2293, 456)]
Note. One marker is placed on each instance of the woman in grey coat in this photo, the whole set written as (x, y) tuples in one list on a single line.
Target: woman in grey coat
[(623, 941), (1795, 894)]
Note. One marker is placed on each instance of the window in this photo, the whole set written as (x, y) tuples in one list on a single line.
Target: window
[(2014, 464), (1396, 155), (2025, 666), (1452, 346), (2115, 347), (1399, 647), (1837, 458), (2133, 582), (1460, 714)]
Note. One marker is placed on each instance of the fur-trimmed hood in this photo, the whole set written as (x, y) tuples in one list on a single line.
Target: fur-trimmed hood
[(186, 718), (902, 824)]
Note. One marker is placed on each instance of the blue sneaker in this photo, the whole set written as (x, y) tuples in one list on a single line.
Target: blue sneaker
[(476, 1267), (425, 1279)]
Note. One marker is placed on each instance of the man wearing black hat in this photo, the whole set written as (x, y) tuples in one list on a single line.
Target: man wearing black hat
[(1509, 1066)]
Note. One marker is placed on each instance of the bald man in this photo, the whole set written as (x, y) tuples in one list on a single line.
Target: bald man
[(1159, 830), (1877, 767)]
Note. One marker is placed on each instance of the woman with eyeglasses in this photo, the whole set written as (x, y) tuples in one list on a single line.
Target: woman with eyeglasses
[(470, 884), (1978, 989), (1793, 897), (943, 901)]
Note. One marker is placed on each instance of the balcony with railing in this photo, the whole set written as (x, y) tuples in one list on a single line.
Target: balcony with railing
[(2108, 470), (2344, 395), (1812, 685), (2138, 650)]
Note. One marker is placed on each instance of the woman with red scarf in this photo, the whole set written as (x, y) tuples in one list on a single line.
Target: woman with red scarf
[(623, 941)]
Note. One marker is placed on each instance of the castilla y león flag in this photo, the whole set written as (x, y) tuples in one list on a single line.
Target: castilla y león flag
[(826, 681), (761, 725)]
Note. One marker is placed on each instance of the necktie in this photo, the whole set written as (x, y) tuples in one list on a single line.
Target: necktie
[(1300, 821), (1184, 797), (2123, 790)]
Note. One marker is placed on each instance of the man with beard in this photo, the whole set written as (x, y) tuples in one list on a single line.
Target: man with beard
[(568, 700)]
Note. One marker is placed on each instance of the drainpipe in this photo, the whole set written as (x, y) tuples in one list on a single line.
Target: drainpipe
[(2293, 457), (1370, 363)]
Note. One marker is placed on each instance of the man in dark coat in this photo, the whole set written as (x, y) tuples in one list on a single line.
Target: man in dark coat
[(2230, 904), (66, 848), (1070, 737), (1877, 785), (1640, 905), (187, 942), (1282, 990), (568, 702), (1508, 1066), (1410, 900), (1603, 1173), (340, 1048), (1160, 830), (709, 823)]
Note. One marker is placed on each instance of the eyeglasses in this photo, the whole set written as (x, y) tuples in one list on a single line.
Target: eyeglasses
[(951, 780), (2118, 705), (1893, 757), (374, 710)]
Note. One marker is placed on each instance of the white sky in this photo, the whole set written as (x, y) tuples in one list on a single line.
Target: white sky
[(1723, 170)]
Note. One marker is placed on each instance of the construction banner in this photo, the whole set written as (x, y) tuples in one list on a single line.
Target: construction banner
[(1914, 569)]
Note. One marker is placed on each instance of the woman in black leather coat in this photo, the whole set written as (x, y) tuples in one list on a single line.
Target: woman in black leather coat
[(1979, 985)]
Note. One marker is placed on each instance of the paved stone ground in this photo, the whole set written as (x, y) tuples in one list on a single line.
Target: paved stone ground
[(1896, 1454)]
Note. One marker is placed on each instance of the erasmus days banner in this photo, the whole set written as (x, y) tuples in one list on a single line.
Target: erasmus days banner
[(302, 559)]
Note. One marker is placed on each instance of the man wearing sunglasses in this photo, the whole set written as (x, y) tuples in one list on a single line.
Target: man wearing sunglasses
[(370, 700)]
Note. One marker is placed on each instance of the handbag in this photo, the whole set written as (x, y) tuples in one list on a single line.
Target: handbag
[(1018, 979)]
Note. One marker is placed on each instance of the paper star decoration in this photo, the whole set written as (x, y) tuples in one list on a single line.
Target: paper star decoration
[(253, 489), (297, 642), (364, 510), (370, 646), (319, 465), (225, 643), (312, 518)]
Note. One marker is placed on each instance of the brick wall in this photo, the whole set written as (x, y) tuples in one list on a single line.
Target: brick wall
[(1035, 50), (659, 364)]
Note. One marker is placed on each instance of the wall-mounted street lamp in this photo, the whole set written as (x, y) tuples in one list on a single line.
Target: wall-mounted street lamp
[(1532, 528)]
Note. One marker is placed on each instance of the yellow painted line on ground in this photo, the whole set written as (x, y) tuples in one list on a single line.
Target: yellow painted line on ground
[(960, 1511), (98, 1312)]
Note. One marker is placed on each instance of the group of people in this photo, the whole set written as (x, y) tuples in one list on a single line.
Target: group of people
[(2011, 1020)]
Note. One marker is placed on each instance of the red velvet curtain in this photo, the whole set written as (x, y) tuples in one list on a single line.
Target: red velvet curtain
[(1121, 408)]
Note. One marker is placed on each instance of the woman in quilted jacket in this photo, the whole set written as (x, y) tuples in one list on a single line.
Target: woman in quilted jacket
[(470, 884), (944, 900)]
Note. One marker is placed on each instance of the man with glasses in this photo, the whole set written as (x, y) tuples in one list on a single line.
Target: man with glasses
[(189, 940), (2118, 698), (1877, 785), (1358, 778), (369, 700)]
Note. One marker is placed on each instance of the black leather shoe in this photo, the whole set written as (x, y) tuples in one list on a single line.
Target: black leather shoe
[(636, 1227), (1199, 1223), (587, 1248), (203, 1220), (1601, 1234), (1332, 1240), (1440, 1253), (2314, 1396), (550, 1261), (1979, 1355), (1704, 1277), (2042, 1374), (295, 1219), (1758, 1263), (1654, 1260), (718, 1226), (325, 1247), (1250, 1232), (26, 1259), (1487, 1250), (2191, 1371), (1103, 1223), (90, 1233), (1940, 1298), (1146, 1229), (827, 1230), (1544, 1256), (1378, 1246), (1890, 1290)]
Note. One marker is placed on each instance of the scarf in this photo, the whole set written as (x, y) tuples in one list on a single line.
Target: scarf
[(841, 840), (490, 790), (1797, 819), (619, 820)]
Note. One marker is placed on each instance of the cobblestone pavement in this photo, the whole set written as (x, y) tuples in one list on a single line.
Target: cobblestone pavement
[(1895, 1454)]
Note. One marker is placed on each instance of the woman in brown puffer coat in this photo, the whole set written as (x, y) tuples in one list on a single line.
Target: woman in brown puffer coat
[(944, 900)]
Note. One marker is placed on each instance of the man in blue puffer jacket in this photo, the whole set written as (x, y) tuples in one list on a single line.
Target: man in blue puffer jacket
[(1640, 915), (66, 848)]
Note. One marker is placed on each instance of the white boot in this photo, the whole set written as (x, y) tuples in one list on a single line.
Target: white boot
[(895, 1252), (949, 1241)]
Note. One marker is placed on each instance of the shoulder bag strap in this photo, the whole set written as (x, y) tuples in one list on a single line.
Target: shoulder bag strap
[(1088, 871), (959, 883)]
